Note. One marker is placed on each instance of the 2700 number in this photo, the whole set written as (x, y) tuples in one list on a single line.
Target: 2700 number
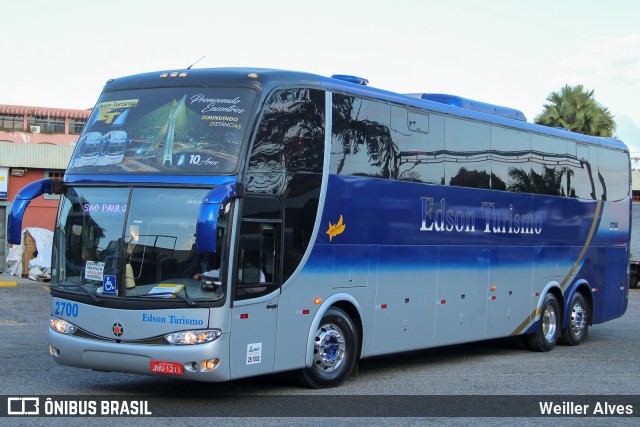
[(68, 309)]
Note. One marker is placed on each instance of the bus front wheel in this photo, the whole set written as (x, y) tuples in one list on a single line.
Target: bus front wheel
[(546, 336), (334, 351)]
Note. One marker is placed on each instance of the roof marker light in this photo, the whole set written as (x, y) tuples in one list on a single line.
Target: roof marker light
[(252, 75), (164, 75)]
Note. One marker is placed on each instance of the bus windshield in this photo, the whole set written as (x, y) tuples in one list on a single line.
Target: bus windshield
[(184, 130), (138, 242)]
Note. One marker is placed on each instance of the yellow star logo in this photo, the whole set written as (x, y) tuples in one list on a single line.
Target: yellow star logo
[(335, 229)]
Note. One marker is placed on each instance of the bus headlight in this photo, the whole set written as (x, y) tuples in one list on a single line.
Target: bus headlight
[(193, 337), (62, 326)]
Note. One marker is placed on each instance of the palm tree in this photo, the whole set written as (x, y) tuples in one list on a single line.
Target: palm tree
[(575, 109)]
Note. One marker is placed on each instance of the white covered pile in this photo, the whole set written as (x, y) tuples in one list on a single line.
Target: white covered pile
[(38, 258)]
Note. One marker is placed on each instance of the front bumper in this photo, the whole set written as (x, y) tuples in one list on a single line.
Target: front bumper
[(136, 358)]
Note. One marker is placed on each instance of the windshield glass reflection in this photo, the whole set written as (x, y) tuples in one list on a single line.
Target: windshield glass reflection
[(136, 243)]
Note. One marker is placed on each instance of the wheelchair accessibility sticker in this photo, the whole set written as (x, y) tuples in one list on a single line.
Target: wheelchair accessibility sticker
[(109, 285)]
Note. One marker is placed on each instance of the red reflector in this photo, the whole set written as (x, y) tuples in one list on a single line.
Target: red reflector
[(305, 311), (493, 297), (537, 294), (383, 306), (161, 367), (443, 301), (244, 316)]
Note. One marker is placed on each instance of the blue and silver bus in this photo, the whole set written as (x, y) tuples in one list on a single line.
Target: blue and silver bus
[(252, 221)]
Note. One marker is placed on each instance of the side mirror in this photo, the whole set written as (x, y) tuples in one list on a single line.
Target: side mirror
[(212, 203), (22, 200)]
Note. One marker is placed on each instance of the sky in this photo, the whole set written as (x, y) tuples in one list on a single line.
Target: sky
[(512, 53)]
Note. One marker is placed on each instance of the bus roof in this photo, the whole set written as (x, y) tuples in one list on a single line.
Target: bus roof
[(270, 78)]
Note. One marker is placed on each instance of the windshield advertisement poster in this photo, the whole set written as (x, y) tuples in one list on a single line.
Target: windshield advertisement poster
[(196, 131)]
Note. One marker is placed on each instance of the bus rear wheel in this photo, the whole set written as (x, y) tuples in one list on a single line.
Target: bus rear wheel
[(546, 336), (578, 328), (334, 351)]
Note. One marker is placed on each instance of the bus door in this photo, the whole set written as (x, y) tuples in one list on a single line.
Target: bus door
[(256, 287)]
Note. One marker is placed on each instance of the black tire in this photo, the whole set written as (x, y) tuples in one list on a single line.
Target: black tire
[(546, 336), (335, 351), (578, 328)]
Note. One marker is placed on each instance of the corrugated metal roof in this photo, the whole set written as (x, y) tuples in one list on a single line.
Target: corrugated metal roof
[(41, 156), (44, 111)]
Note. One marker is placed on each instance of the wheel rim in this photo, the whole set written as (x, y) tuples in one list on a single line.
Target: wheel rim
[(578, 319), (549, 324), (329, 348)]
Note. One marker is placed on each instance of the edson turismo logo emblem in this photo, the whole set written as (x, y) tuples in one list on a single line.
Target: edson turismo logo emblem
[(118, 329)]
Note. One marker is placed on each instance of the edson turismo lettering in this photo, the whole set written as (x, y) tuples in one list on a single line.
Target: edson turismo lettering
[(171, 319), (464, 221)]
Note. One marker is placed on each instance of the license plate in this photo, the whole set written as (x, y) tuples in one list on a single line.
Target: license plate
[(171, 368)]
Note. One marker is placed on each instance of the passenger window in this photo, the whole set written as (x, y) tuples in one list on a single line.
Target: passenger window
[(548, 166), (580, 172), (467, 146), (420, 156), (361, 143), (613, 171), (510, 160), (418, 122), (291, 133)]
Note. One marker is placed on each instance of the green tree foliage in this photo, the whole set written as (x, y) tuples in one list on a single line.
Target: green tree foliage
[(575, 109)]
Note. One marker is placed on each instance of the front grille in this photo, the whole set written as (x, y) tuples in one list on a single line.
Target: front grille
[(159, 340)]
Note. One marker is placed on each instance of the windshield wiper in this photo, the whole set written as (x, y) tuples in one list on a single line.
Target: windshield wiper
[(82, 288), (161, 294)]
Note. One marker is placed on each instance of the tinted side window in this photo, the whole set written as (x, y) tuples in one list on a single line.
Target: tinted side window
[(259, 247), (580, 172), (548, 165), (420, 141), (361, 142), (286, 161), (291, 133), (467, 147), (510, 160), (418, 121), (261, 208), (613, 170), (301, 195)]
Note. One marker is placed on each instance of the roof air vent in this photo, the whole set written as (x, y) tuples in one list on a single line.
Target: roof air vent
[(351, 79), (470, 104)]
